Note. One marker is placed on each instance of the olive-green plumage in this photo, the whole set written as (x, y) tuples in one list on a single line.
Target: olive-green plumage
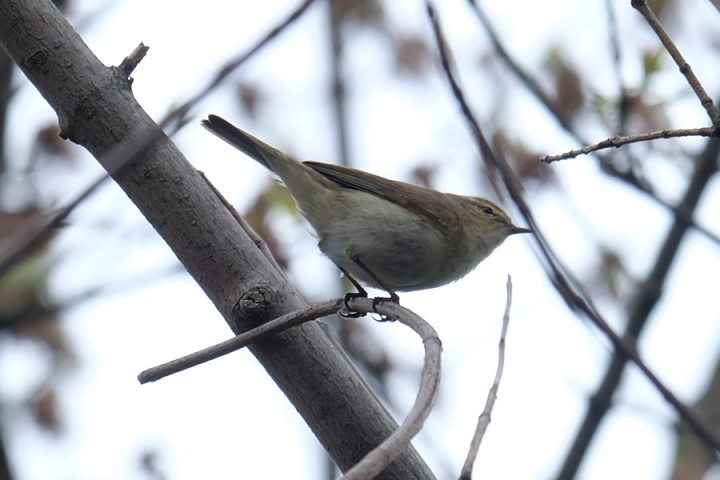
[(384, 233)]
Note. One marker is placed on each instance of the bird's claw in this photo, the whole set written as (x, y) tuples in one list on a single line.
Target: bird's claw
[(378, 300), (349, 312)]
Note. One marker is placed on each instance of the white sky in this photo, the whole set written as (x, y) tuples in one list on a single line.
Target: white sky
[(226, 419)]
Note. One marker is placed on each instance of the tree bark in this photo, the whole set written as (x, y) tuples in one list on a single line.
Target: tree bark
[(96, 109)]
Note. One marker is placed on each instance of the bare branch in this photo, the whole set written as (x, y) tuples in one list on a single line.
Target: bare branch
[(120, 155), (484, 420), (606, 165), (619, 141), (535, 88), (482, 143), (685, 68), (242, 340), (571, 291), (648, 295)]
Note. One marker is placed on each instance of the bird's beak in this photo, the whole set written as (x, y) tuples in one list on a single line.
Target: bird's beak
[(520, 230)]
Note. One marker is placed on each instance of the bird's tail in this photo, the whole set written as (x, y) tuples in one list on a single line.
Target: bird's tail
[(312, 190), (243, 141)]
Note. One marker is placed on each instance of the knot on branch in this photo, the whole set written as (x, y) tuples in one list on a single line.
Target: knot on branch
[(36, 62), (256, 306)]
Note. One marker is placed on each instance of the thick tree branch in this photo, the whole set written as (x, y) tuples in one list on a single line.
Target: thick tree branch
[(97, 110)]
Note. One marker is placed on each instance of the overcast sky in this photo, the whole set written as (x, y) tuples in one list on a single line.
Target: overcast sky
[(227, 419)]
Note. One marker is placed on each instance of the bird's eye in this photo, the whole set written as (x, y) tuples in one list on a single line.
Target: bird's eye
[(488, 211)]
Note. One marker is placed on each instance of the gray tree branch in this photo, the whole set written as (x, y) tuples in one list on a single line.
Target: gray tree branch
[(96, 109)]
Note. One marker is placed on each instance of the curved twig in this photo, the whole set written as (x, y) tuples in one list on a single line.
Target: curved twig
[(381, 456)]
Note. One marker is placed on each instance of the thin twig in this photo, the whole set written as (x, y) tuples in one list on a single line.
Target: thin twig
[(573, 293), (445, 55), (685, 68), (240, 341), (484, 420), (619, 141)]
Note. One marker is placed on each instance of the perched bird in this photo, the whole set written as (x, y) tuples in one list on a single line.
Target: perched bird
[(383, 233)]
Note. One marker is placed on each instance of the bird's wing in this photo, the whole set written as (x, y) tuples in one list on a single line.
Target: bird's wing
[(433, 205)]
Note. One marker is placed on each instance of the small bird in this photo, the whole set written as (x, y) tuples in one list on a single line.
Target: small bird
[(383, 233)]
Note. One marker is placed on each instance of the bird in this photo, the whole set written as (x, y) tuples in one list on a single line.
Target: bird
[(386, 234)]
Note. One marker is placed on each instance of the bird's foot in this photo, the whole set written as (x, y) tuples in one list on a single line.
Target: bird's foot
[(348, 312), (378, 300)]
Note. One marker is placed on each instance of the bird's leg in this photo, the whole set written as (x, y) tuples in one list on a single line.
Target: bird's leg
[(393, 296), (361, 293)]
